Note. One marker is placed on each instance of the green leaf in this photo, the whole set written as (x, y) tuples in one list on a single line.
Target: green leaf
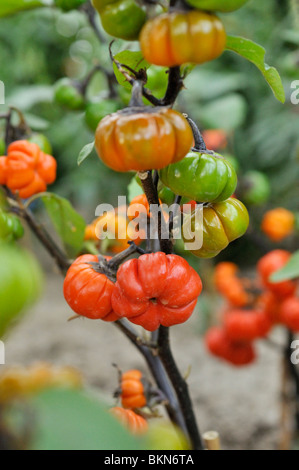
[(289, 271), (214, 115), (72, 420), (134, 189), (85, 152), (256, 54), (68, 223), (25, 98), (132, 59), (36, 123), (9, 7)]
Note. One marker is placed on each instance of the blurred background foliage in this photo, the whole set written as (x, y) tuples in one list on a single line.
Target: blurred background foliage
[(42, 46)]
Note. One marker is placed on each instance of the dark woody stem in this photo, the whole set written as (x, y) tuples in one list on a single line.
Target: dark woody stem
[(151, 193), (181, 387)]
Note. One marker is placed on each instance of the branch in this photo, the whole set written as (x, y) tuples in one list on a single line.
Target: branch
[(156, 367), (180, 386), (151, 193), (110, 77), (49, 244), (91, 15), (175, 84)]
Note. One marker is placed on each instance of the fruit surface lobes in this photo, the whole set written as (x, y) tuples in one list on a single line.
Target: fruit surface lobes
[(201, 177), (221, 224), (217, 5), (177, 38), (139, 141)]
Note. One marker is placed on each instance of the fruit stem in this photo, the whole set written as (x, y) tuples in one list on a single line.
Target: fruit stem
[(136, 97), (200, 145)]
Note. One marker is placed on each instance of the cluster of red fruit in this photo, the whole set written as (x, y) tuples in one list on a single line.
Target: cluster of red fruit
[(155, 289), (248, 316)]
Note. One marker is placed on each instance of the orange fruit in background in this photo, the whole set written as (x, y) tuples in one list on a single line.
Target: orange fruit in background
[(130, 420), (278, 224)]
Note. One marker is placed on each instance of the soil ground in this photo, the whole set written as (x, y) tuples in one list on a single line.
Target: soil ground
[(242, 404)]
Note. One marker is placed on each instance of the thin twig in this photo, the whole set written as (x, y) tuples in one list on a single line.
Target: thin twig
[(180, 386), (91, 15)]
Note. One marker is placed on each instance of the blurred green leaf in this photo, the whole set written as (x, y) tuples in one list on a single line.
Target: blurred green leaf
[(289, 271), (132, 59), (71, 420), (85, 152), (256, 54), (68, 223), (134, 189), (25, 98), (9, 7), (36, 123), (225, 113)]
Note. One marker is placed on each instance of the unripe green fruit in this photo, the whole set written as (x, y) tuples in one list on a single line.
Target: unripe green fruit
[(257, 188), (20, 283), (2, 147), (68, 5), (66, 94), (225, 6), (43, 143), (123, 19), (95, 112), (10, 227)]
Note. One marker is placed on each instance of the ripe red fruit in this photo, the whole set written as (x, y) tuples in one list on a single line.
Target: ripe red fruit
[(236, 353), (87, 291), (156, 289), (289, 313), (270, 305), (246, 325), (271, 263)]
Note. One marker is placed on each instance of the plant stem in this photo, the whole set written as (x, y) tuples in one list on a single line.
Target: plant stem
[(150, 191), (175, 84), (156, 367), (180, 386), (91, 16), (56, 253)]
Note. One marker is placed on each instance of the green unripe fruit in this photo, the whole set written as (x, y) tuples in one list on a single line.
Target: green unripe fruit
[(67, 95), (225, 6), (2, 147), (20, 283), (95, 112), (257, 188), (43, 143), (123, 19), (10, 227), (165, 436), (68, 5)]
